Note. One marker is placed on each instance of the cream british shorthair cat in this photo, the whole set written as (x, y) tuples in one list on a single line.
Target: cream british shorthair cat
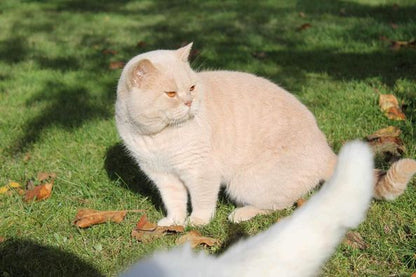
[(193, 132), (296, 246)]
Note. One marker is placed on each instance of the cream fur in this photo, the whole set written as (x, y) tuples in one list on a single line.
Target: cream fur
[(297, 245), (240, 131)]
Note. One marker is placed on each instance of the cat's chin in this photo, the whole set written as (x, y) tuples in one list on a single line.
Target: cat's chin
[(177, 122)]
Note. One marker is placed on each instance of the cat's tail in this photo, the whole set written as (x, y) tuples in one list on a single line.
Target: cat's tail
[(391, 184), (300, 244)]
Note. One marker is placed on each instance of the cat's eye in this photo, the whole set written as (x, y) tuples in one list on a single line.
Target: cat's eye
[(170, 93), (192, 88)]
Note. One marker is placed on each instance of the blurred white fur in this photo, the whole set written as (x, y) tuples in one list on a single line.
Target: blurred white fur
[(297, 245)]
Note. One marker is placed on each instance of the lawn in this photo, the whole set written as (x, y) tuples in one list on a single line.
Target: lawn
[(59, 66)]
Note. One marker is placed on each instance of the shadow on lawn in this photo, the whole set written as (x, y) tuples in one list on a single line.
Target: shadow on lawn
[(27, 258), (121, 167)]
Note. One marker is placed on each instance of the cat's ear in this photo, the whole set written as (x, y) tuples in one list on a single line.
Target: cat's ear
[(183, 53), (140, 71)]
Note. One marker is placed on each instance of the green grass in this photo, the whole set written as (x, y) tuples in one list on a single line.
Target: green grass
[(56, 105)]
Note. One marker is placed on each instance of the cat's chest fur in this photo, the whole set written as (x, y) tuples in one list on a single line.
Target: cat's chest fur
[(172, 150)]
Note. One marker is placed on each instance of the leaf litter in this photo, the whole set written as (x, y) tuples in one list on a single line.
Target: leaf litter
[(11, 186), (196, 239), (390, 106), (88, 217), (42, 191), (386, 142), (146, 231), (355, 240)]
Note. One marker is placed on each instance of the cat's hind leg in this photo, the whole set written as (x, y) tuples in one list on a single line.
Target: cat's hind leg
[(245, 213)]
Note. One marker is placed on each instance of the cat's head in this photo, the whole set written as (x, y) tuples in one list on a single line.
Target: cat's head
[(160, 89)]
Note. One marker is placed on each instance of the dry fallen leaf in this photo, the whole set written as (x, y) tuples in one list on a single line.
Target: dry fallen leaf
[(42, 176), (302, 14), (144, 225), (300, 202), (2, 239), (27, 157), (195, 239), (146, 231), (116, 65), (259, 55), (88, 217), (109, 52), (30, 184), (304, 27), (39, 193), (355, 240), (9, 186), (141, 44), (386, 141), (399, 44), (385, 133), (413, 274), (390, 106)]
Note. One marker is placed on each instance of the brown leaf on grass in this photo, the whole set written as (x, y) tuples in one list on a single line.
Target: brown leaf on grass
[(30, 184), (388, 133), (116, 65), (300, 202), (2, 239), (390, 106), (302, 14), (355, 240), (109, 52), (27, 157), (146, 231), (304, 27), (42, 176), (386, 141), (259, 55), (141, 44), (194, 53), (9, 187), (195, 239), (399, 44), (39, 193), (413, 274), (144, 225), (88, 217)]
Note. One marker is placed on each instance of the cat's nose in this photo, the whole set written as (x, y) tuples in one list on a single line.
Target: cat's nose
[(188, 103)]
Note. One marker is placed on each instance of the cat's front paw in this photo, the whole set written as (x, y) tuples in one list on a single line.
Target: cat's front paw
[(196, 221), (168, 221), (199, 219)]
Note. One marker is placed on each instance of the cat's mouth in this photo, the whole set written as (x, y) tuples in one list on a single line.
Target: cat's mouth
[(177, 120)]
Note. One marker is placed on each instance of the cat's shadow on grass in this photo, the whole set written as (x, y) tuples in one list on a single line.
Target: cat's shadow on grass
[(28, 258), (122, 169)]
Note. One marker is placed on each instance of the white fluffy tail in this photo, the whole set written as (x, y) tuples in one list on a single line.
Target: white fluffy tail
[(301, 243), (297, 245)]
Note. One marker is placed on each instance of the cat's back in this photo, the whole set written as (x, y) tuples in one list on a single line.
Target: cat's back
[(250, 91), (245, 95)]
